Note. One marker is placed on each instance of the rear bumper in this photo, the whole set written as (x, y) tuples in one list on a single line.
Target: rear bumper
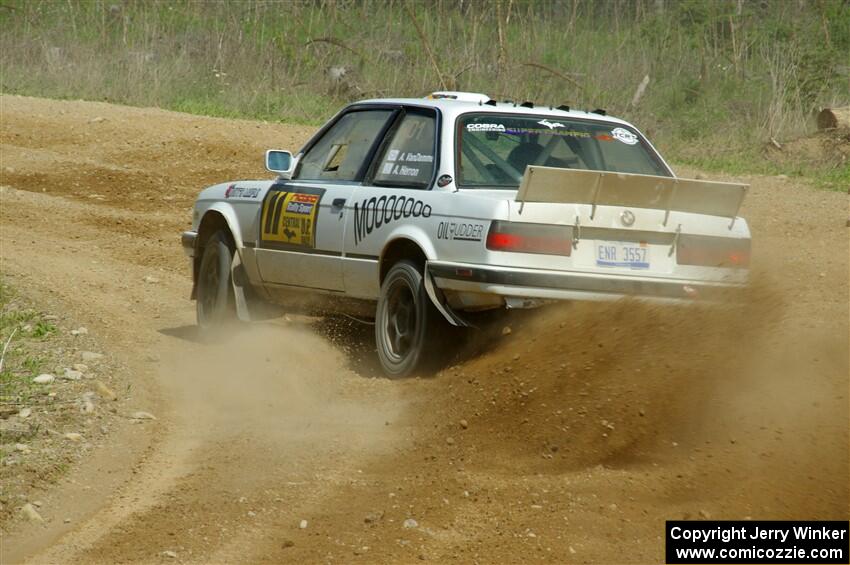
[(187, 238), (560, 285)]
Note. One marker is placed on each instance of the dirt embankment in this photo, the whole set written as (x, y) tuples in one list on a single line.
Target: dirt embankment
[(570, 439)]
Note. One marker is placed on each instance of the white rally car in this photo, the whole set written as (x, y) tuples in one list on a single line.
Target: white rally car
[(417, 212)]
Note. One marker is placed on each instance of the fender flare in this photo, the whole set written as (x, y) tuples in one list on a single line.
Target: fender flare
[(417, 236), (226, 211), (237, 276), (414, 234)]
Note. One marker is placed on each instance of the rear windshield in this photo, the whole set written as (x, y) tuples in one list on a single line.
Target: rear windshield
[(494, 150)]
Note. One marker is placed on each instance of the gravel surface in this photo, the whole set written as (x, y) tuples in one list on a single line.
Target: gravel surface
[(568, 436)]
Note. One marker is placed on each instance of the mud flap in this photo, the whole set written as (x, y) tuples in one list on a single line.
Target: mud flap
[(438, 299), (238, 280)]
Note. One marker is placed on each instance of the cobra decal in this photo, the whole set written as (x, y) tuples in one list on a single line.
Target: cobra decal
[(288, 219), (374, 213)]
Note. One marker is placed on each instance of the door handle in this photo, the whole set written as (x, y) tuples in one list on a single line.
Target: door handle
[(337, 204)]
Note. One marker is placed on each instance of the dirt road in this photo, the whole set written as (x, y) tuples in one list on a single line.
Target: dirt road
[(571, 440)]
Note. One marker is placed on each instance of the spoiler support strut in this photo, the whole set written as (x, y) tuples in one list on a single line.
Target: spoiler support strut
[(670, 202), (596, 190), (738, 209)]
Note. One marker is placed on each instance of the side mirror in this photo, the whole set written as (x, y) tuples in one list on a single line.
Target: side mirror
[(279, 161)]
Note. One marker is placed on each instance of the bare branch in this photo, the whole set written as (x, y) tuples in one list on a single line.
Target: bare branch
[(555, 72), (334, 41), (425, 44), (640, 91)]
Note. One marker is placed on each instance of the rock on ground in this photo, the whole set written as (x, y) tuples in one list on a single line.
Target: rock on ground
[(31, 514), (91, 356)]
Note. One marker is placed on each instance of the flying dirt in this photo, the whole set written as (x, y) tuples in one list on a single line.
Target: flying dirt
[(567, 435)]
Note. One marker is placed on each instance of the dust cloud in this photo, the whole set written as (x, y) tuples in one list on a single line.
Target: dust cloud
[(280, 378), (753, 404)]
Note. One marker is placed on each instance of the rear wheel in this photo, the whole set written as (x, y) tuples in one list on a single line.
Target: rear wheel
[(215, 305), (407, 326)]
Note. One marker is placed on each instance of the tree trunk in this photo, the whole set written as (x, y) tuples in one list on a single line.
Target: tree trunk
[(830, 118)]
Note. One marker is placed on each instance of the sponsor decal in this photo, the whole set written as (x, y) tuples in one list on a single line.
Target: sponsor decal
[(234, 191), (460, 231), (376, 212), (551, 125), (538, 131), (288, 219), (485, 127), (624, 135), (444, 180)]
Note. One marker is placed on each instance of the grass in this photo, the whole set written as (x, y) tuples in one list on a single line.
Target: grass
[(36, 346), (750, 162), (43, 329), (23, 360), (725, 76), (838, 178)]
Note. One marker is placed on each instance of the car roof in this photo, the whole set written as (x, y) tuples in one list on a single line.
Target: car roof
[(470, 102)]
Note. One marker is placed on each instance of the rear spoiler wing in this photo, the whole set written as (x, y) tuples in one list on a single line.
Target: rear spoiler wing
[(599, 188)]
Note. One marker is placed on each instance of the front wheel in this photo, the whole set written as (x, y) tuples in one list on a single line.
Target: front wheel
[(407, 325), (216, 306)]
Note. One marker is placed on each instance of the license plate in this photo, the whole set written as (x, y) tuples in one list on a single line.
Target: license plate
[(622, 254)]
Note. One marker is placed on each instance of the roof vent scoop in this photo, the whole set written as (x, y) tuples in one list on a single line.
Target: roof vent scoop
[(564, 107), (527, 104), (600, 111), (459, 96)]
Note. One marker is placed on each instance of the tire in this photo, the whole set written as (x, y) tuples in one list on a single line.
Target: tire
[(407, 325), (215, 304)]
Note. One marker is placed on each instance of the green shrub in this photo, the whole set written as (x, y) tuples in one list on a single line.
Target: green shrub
[(722, 72)]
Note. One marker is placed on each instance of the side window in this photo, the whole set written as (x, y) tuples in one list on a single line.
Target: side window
[(342, 150), (408, 159)]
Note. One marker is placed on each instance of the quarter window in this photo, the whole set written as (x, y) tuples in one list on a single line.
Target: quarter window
[(342, 150), (409, 157)]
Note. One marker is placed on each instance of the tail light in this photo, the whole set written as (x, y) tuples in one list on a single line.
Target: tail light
[(530, 238), (708, 251)]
